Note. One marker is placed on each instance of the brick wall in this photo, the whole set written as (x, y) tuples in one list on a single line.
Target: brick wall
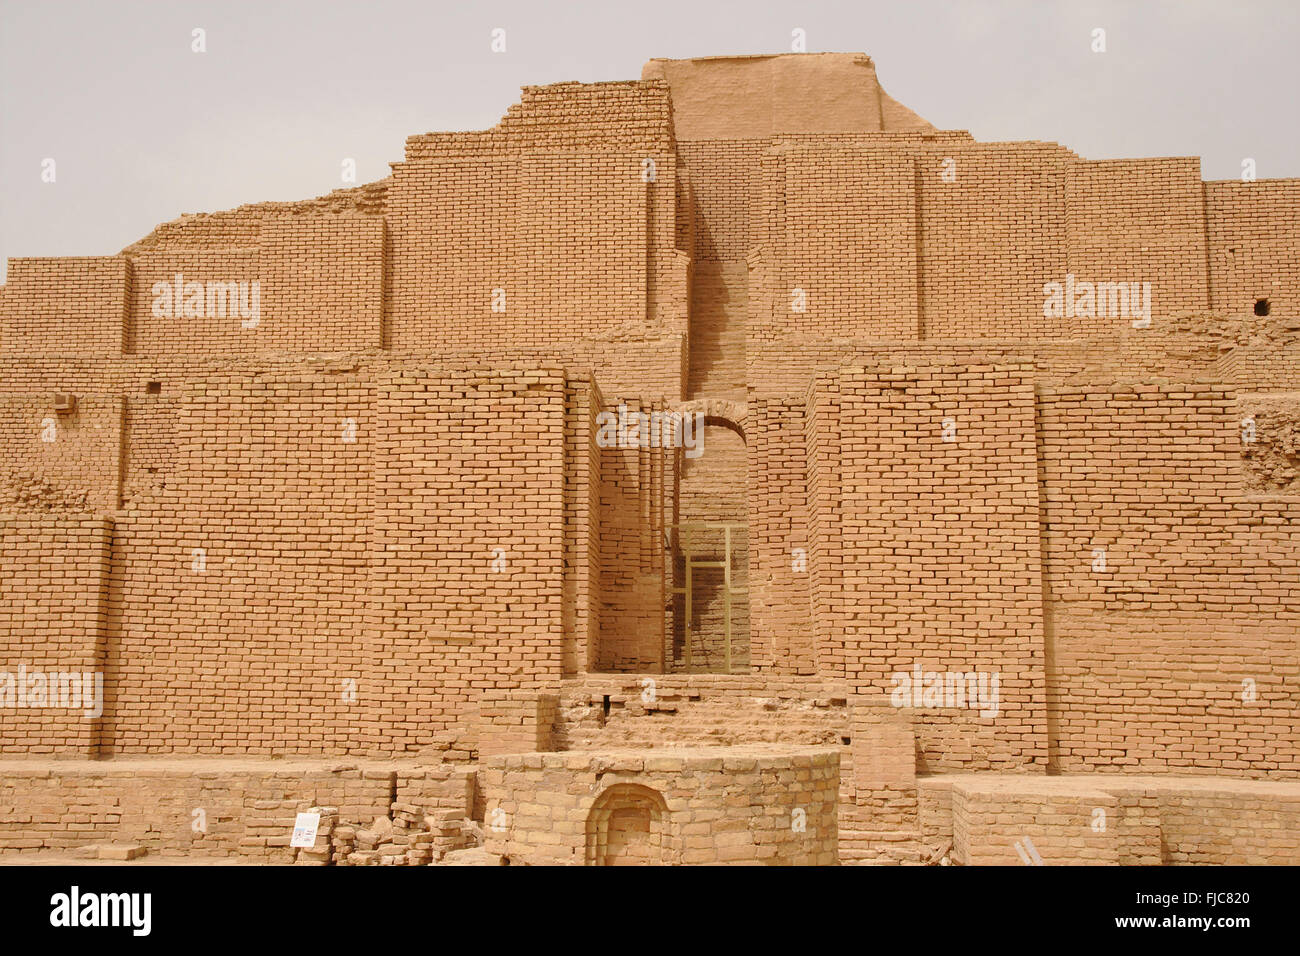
[(1167, 589), (324, 282), (204, 807), (1091, 820), (280, 588), (845, 235), (467, 580), (635, 490), (925, 552), (991, 238), (1139, 220), (54, 611), (781, 637), (70, 306), (61, 460), (1254, 252)]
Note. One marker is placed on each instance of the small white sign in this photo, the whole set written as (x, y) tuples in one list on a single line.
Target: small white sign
[(304, 829)]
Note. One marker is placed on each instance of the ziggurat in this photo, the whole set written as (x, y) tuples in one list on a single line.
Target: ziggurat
[(365, 550)]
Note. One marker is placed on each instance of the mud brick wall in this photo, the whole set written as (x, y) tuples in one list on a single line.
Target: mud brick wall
[(564, 235), (781, 634), (53, 618), (69, 306), (722, 178), (1221, 826), (624, 114), (179, 334), (1139, 220), (149, 449), (719, 314), (339, 596), (1179, 651), (884, 767), (320, 287), (242, 587), (846, 235), (61, 460), (987, 825), (1268, 366), (1134, 820), (703, 806), (826, 594), (582, 526), (467, 582), (715, 485), (699, 709), (1254, 252), (191, 807), (990, 239), (926, 550), (324, 284)]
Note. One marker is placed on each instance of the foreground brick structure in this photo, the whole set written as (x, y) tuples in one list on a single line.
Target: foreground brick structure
[(334, 479)]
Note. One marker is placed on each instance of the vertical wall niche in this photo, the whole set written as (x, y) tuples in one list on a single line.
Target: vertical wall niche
[(628, 826)]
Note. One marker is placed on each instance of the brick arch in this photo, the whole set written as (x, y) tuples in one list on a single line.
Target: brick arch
[(628, 823), (720, 411)]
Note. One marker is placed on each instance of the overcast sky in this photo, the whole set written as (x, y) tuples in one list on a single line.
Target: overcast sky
[(143, 129)]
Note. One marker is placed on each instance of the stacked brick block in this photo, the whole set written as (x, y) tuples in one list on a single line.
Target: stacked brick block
[(517, 722)]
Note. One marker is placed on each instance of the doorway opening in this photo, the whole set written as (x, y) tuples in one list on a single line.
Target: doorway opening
[(709, 562)]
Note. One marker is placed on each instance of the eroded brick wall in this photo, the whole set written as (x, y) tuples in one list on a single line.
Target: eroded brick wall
[(1172, 597), (53, 459), (205, 807)]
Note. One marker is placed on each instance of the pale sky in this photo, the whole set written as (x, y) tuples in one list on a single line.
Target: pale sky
[(143, 129)]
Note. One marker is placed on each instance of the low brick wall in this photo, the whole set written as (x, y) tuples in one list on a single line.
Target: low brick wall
[(1094, 819), (708, 805), (205, 807)]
